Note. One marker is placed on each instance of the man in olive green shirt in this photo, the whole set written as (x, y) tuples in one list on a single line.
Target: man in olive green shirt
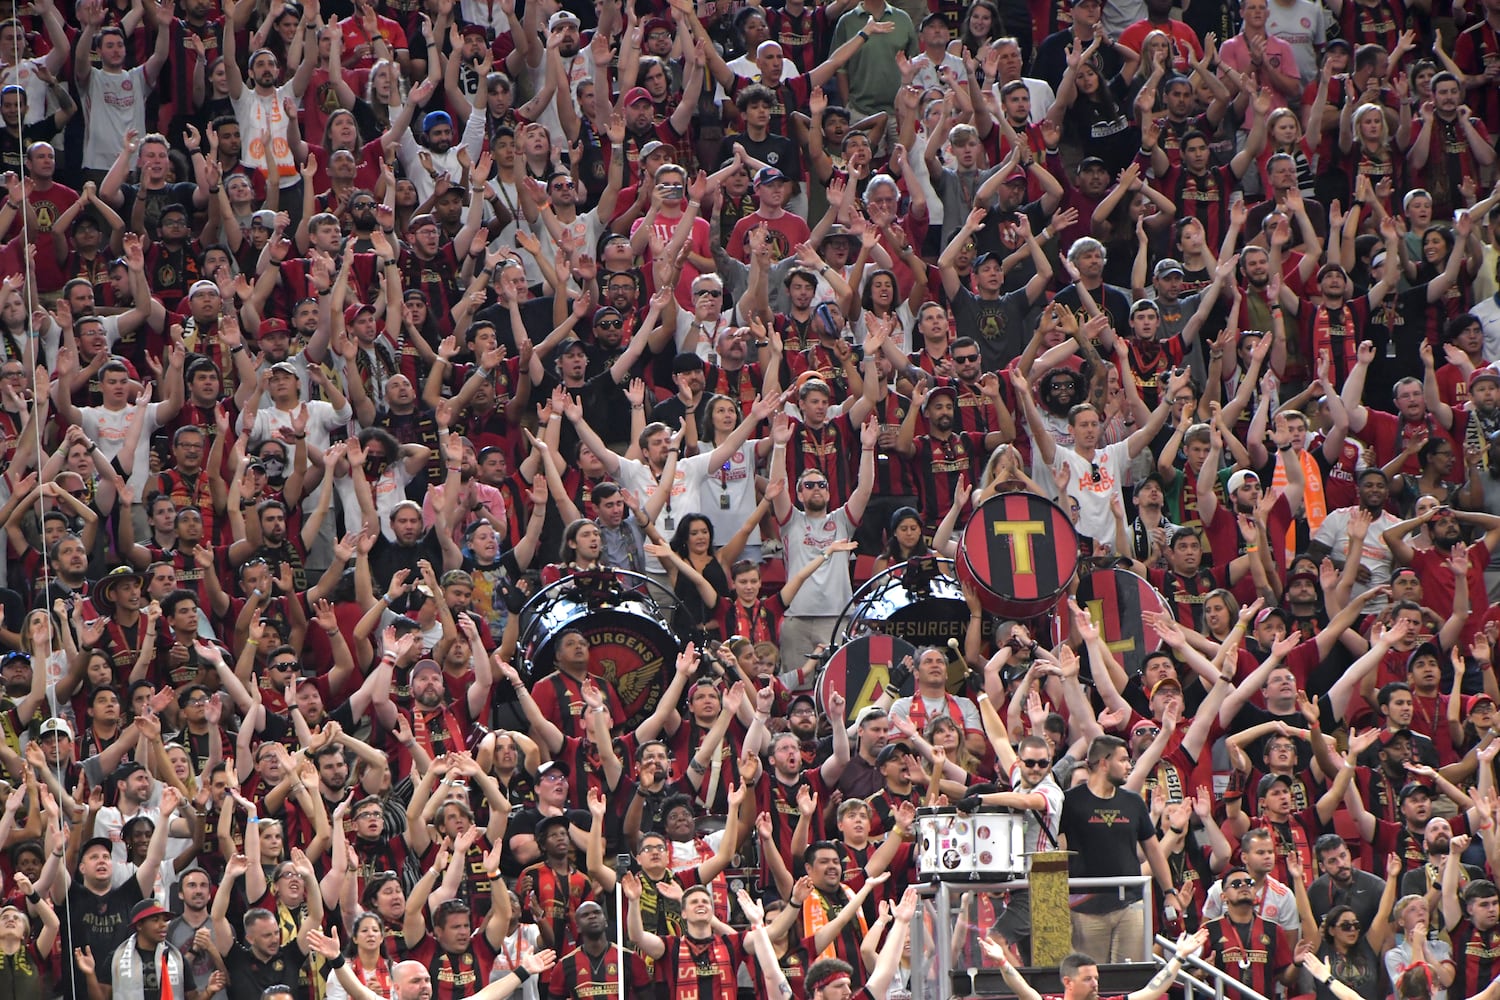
[(870, 80)]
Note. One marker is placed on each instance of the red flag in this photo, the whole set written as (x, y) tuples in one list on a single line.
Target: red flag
[(166, 980)]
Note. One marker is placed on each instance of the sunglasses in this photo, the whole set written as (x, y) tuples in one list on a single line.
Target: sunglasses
[(1094, 471), (815, 484), (1043, 762), (1152, 730), (362, 204), (1239, 883), (609, 324), (966, 359), (713, 293), (284, 665), (1347, 925)]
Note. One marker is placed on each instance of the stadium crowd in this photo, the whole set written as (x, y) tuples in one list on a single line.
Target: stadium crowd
[(334, 332)]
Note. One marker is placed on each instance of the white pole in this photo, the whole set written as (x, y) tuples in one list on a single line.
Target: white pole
[(620, 929)]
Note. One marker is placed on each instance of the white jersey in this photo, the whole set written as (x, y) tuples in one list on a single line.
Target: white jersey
[(113, 104)]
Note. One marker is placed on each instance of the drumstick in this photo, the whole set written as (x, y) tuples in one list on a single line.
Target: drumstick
[(953, 645)]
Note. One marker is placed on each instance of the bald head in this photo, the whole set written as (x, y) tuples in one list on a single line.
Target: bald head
[(412, 981)]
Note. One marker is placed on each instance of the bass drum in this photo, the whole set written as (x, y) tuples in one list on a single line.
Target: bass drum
[(918, 602), (630, 643), (1115, 599), (860, 669), (1019, 552)]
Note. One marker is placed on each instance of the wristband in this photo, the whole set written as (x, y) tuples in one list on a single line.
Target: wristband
[(252, 642), (522, 974), (252, 820), (333, 964), (863, 35), (35, 897)]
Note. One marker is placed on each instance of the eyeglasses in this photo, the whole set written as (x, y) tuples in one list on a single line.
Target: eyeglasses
[(1239, 883), (196, 702), (20, 374), (1347, 925), (653, 848), (362, 203), (609, 324), (803, 710), (1149, 730), (288, 874), (966, 359), (1043, 762), (564, 185), (815, 484), (713, 293), (1094, 471)]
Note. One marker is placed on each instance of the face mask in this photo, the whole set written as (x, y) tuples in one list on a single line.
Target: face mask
[(275, 467)]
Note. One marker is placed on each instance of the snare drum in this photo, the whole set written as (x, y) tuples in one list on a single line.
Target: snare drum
[(986, 845)]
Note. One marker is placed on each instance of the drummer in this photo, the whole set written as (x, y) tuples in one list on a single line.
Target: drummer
[(932, 700)]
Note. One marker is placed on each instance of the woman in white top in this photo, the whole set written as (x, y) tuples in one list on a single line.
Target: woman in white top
[(880, 299)]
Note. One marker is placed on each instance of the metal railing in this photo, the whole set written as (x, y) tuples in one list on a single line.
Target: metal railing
[(1218, 976), (946, 894)]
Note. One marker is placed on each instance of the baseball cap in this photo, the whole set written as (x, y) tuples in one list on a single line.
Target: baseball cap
[(649, 147), (986, 257), (94, 842), (58, 726), (799, 699), (553, 765), (435, 118), (1476, 699), (265, 218), (686, 362), (1481, 374), (1329, 268), (202, 285), (563, 17), (1165, 682), (1389, 736), (1092, 161), (1269, 782), (1414, 788), (890, 751), (1150, 479), (270, 326), (476, 29), (1265, 613), (940, 390), (768, 175), (571, 344), (285, 367), (1142, 305), (422, 665), (1240, 478), (636, 94), (1017, 177), (604, 311), (1166, 266), (352, 311)]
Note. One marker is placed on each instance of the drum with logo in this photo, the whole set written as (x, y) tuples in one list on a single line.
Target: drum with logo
[(918, 601), (1116, 599), (1019, 553), (860, 669), (955, 846), (630, 642)]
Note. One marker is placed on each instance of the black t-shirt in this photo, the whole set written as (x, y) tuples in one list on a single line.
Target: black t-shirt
[(536, 316), (101, 923), (388, 556), (249, 976), (1102, 836), (13, 148), (180, 193)]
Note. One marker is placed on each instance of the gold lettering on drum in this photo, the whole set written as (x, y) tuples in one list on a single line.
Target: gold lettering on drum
[(626, 639), (879, 677), (1020, 533), (1096, 611)]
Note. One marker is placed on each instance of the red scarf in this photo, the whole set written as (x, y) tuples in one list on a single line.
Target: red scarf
[(452, 734), (693, 962), (1298, 844), (754, 623), (918, 712), (1322, 339), (559, 901), (718, 886)]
